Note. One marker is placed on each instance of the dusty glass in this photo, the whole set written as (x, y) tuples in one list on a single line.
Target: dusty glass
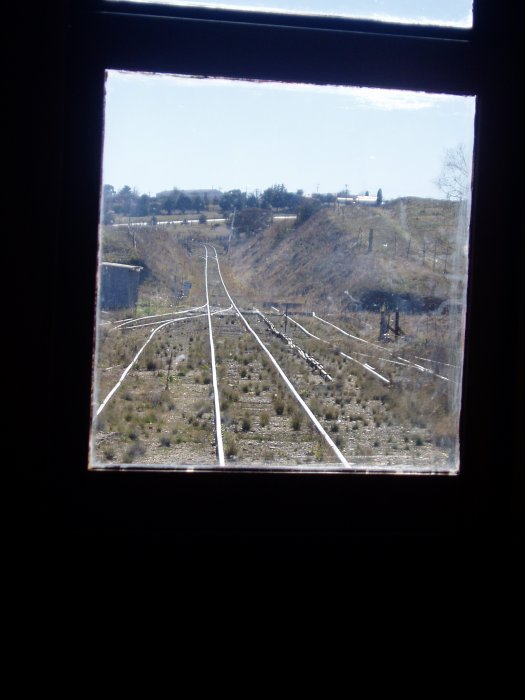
[(455, 13), (282, 276)]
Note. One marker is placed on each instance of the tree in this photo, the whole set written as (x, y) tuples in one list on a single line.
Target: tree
[(108, 196), (454, 178), (183, 203), (234, 199), (276, 197), (379, 200), (306, 210), (108, 192), (125, 202), (252, 220), (143, 205), (169, 204)]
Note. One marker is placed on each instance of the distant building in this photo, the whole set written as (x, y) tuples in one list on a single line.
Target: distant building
[(358, 199), (119, 285), (209, 193)]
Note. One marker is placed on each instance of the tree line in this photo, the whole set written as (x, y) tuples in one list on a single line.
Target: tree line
[(127, 202)]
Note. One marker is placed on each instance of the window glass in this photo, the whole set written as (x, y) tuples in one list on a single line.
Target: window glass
[(282, 276), (457, 13)]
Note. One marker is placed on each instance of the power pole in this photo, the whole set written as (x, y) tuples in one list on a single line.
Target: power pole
[(169, 369), (383, 323), (231, 232)]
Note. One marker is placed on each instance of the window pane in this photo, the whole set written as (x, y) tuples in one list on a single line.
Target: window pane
[(456, 13), (286, 262)]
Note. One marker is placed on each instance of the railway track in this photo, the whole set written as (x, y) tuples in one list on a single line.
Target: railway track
[(245, 353), (298, 398)]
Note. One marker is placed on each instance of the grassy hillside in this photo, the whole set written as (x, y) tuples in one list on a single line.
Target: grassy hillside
[(333, 260), (404, 254), (164, 257)]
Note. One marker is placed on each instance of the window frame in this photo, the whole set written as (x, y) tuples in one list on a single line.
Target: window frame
[(105, 35)]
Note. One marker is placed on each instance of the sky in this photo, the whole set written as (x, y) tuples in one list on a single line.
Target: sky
[(163, 132), (445, 12)]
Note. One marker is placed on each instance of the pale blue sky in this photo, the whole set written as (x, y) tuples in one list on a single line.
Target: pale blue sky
[(163, 132), (453, 12)]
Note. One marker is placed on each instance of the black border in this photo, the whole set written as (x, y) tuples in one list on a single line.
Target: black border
[(273, 516)]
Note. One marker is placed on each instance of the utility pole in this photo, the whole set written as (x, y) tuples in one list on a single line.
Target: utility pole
[(231, 232), (383, 323), (169, 369)]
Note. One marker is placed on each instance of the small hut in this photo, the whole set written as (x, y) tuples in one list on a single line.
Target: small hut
[(119, 285)]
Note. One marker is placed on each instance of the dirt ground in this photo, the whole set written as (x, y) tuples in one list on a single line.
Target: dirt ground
[(163, 414)]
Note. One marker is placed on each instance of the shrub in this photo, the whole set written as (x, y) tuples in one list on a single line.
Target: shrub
[(296, 421), (231, 448), (133, 454), (279, 405)]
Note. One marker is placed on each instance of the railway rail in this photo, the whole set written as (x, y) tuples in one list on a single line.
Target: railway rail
[(220, 303)]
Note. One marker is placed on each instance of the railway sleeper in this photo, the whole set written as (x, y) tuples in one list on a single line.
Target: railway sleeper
[(315, 364)]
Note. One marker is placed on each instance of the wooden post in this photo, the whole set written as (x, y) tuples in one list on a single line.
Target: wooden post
[(370, 240), (169, 369), (383, 323), (396, 324)]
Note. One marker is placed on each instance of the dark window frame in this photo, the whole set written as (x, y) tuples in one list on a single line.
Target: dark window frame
[(103, 35)]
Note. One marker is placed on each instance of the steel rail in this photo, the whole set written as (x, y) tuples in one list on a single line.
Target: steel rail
[(218, 424), (363, 364), (128, 321), (128, 368), (409, 363), (288, 383)]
